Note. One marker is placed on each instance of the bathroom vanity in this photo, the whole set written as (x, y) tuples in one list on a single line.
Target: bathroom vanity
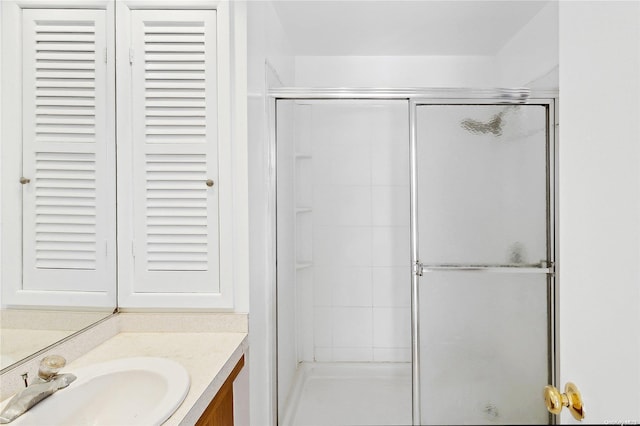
[(213, 348), (220, 411)]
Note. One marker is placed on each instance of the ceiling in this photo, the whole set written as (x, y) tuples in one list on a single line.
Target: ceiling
[(399, 27)]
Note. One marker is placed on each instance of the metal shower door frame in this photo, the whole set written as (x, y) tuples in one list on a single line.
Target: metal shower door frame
[(416, 97)]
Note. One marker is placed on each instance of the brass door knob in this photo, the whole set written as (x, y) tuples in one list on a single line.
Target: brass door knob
[(24, 180), (571, 399), (209, 182)]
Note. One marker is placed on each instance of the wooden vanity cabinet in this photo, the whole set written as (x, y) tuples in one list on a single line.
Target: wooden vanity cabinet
[(220, 410)]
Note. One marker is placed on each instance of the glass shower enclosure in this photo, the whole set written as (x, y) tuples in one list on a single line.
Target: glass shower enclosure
[(415, 257)]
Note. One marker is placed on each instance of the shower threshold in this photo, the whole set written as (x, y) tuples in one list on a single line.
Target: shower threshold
[(331, 393)]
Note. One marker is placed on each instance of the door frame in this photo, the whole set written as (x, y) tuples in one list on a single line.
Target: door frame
[(414, 97)]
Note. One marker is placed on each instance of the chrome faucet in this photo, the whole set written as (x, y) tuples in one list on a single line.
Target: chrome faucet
[(46, 384)]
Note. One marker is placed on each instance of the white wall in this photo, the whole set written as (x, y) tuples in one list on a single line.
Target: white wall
[(1, 227), (266, 41), (524, 60), (396, 71), (240, 156), (600, 207), (532, 53), (359, 192)]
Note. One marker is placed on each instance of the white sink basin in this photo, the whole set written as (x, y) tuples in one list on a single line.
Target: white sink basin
[(129, 391)]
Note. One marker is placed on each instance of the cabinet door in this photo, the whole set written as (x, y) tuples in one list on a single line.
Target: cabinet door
[(69, 202), (174, 152), (220, 411)]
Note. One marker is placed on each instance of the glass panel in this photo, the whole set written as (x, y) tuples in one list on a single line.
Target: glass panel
[(482, 200), (343, 263), (483, 350), (482, 184)]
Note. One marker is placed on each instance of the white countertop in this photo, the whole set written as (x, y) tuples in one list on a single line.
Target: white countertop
[(24, 332), (207, 345), (208, 357)]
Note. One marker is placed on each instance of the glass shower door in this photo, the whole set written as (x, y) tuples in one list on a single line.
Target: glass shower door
[(482, 248)]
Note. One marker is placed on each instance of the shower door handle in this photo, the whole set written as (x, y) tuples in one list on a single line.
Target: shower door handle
[(538, 268)]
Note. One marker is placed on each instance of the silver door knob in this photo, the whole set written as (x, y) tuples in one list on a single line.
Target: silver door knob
[(24, 180), (209, 182), (50, 365)]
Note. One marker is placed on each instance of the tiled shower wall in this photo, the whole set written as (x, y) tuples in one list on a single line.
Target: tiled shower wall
[(359, 186)]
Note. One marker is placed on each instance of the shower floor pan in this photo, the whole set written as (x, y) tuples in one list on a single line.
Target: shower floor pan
[(325, 394)]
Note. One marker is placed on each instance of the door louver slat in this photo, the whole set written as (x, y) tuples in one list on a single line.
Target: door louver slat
[(63, 45), (79, 214), (168, 172), (176, 87)]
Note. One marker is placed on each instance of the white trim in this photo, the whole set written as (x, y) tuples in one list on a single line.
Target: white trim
[(1, 166), (225, 158), (124, 175), (240, 157), (173, 4), (64, 4), (11, 153), (112, 143), (271, 269)]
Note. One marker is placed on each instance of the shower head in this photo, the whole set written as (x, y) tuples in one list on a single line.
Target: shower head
[(493, 126)]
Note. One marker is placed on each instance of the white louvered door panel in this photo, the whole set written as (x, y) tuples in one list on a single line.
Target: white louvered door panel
[(68, 217), (174, 111)]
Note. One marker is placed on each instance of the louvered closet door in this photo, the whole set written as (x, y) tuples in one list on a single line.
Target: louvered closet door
[(175, 151), (68, 217)]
